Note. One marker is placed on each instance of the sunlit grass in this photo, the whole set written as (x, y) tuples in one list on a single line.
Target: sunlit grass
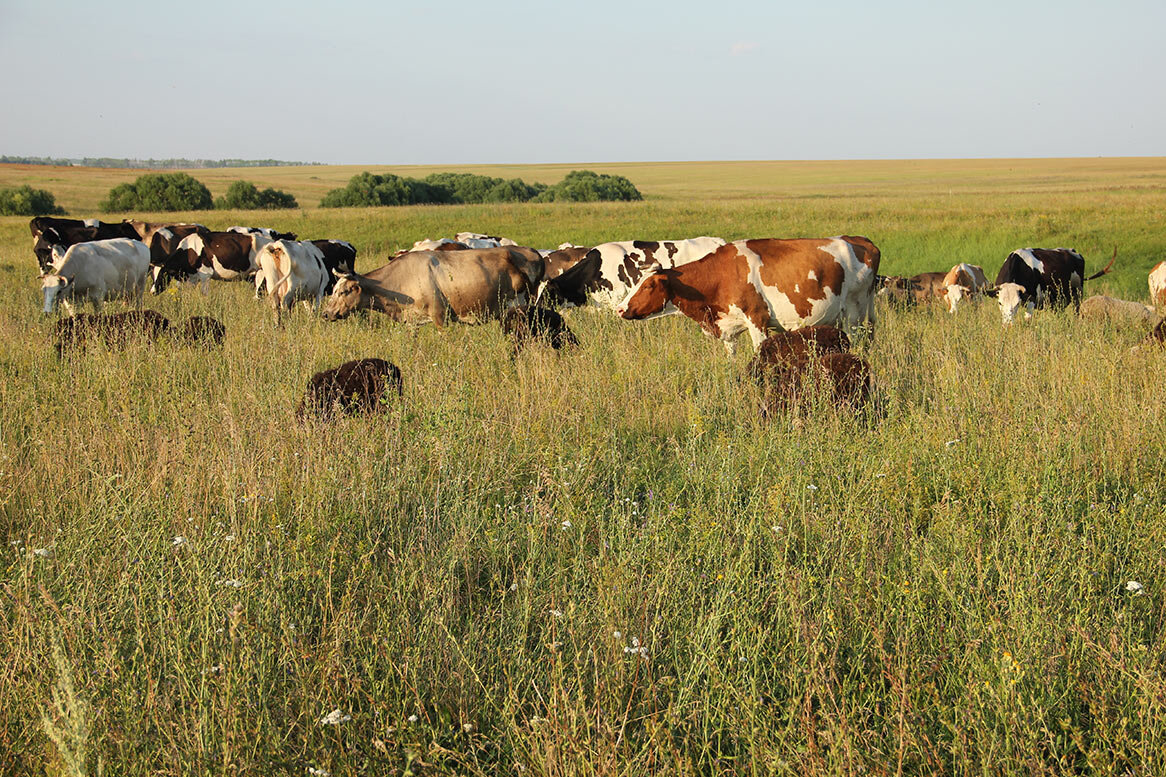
[(600, 562)]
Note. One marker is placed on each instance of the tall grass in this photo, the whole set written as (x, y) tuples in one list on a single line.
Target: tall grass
[(602, 562)]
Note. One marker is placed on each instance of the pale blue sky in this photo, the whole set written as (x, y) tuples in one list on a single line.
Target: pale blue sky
[(465, 81)]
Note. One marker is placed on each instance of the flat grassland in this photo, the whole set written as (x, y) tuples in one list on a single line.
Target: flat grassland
[(602, 562)]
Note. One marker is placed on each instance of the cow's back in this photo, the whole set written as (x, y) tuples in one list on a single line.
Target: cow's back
[(814, 280), (470, 285), (120, 264)]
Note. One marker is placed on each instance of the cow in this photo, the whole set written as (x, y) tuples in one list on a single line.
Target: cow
[(606, 274), (526, 324), (468, 286), (96, 271), (163, 238), (441, 244), (1034, 277), (339, 256), (266, 232), (799, 345), (225, 256), (844, 376), (114, 330), (1117, 311), (970, 276), (1158, 333), (1157, 281), (202, 330), (359, 386), (752, 285), (292, 272), (562, 259), (48, 235), (478, 240)]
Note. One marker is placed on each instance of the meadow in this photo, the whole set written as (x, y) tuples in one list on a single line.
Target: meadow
[(601, 562)]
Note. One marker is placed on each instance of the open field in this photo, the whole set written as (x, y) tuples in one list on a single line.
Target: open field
[(602, 562)]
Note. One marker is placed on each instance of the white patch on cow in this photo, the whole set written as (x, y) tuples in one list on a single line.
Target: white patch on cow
[(613, 255), (1030, 259), (811, 275), (955, 295), (192, 242), (1157, 284), (93, 223)]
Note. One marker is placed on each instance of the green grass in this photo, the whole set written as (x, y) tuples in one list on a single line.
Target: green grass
[(468, 557)]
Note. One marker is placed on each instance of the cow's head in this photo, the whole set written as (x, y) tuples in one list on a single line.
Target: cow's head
[(651, 296), (954, 295), (55, 288), (1010, 296), (346, 297)]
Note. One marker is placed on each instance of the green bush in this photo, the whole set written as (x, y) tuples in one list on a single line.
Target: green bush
[(586, 186), (159, 192), (368, 190), (243, 195), (27, 201)]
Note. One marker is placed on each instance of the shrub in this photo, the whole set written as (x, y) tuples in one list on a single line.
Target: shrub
[(243, 195), (368, 190), (159, 192), (27, 201), (586, 186)]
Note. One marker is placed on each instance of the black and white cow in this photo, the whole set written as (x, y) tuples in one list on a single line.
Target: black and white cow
[(339, 256), (266, 232), (1036, 277), (48, 232), (223, 256)]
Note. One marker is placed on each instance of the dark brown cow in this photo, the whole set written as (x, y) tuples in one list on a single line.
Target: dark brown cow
[(1158, 333), (114, 330), (797, 347), (202, 330), (526, 324), (359, 386), (845, 376), (898, 291)]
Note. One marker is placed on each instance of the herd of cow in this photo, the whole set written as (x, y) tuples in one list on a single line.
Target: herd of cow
[(809, 289)]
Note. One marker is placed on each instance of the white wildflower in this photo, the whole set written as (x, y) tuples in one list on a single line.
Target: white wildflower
[(178, 541), (880, 474), (233, 583), (776, 528), (617, 634), (1136, 588), (950, 443), (335, 718), (468, 728), (636, 648), (319, 772), (557, 613), (811, 487), (412, 718), (566, 524), (514, 586), (535, 720), (43, 552), (229, 538)]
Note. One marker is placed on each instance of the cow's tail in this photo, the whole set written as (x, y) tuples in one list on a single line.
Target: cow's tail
[(1108, 267)]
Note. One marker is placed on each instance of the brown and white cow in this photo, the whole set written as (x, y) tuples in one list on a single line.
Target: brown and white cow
[(1157, 282), (471, 286), (753, 285)]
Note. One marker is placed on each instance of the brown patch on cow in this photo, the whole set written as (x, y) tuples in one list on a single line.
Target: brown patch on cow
[(359, 386), (449, 247), (929, 286), (784, 266), (558, 262), (202, 330), (671, 248)]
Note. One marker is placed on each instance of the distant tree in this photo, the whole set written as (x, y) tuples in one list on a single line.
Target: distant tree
[(27, 201), (587, 186), (243, 195), (514, 190), (159, 192), (370, 190)]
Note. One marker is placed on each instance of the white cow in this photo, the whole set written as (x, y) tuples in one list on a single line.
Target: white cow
[(1157, 282), (431, 245), (292, 271), (96, 271), (478, 240)]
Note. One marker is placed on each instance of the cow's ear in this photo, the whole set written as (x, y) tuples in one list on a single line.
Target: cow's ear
[(65, 281), (991, 291)]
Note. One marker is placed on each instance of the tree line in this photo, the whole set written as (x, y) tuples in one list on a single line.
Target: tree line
[(148, 164)]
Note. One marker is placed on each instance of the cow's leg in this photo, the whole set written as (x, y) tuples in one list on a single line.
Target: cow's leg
[(730, 344)]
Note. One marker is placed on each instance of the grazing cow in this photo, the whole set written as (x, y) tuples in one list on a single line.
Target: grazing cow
[(202, 330), (437, 245), (752, 285), (1158, 333), (292, 272), (163, 238), (478, 240), (797, 346), (468, 286), (845, 376), (897, 290), (1117, 311), (1034, 277), (114, 330), (970, 276), (606, 274), (359, 386), (224, 256), (339, 256), (95, 272), (48, 235), (527, 323), (266, 232), (1157, 281)]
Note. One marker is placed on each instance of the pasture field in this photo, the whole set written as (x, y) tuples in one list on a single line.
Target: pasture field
[(602, 562)]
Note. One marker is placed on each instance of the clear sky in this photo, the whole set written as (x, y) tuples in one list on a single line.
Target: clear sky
[(466, 81)]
